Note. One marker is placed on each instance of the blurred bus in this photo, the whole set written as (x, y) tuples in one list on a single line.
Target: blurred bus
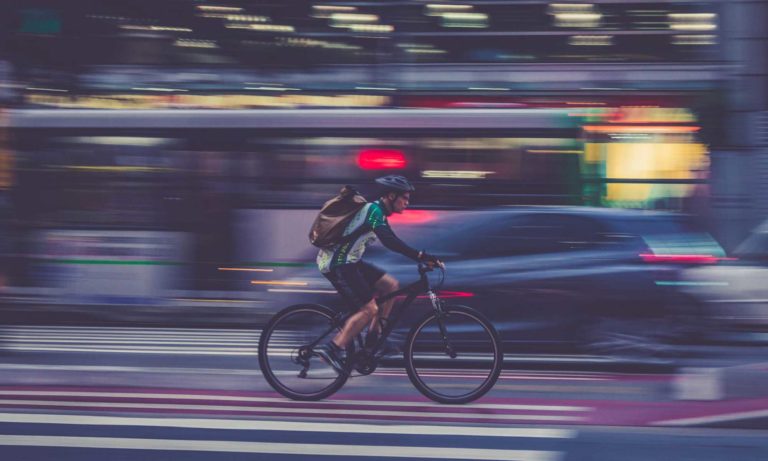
[(91, 167), (146, 169), (118, 187)]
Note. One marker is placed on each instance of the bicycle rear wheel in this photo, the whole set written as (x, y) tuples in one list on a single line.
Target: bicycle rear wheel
[(285, 355), (454, 357)]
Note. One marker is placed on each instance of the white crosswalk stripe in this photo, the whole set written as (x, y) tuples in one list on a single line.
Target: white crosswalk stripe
[(304, 449), (181, 401), (132, 340), (245, 398), (298, 411), (206, 423), (269, 437)]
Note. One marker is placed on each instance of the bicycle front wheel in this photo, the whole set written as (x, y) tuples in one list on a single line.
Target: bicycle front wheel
[(285, 352), (454, 357)]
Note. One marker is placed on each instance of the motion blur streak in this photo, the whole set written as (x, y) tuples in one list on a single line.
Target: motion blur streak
[(593, 174)]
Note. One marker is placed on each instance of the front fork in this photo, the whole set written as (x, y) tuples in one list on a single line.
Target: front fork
[(440, 315)]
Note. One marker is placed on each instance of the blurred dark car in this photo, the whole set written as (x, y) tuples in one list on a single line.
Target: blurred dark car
[(555, 278), (734, 294)]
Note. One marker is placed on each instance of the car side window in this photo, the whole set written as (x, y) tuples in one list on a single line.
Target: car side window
[(544, 233)]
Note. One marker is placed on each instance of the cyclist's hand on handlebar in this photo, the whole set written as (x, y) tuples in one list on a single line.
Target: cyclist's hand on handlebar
[(430, 260), (437, 263)]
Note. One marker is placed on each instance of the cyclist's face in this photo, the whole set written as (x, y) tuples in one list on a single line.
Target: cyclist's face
[(401, 202)]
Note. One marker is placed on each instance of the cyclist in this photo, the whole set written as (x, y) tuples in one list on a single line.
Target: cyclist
[(360, 282)]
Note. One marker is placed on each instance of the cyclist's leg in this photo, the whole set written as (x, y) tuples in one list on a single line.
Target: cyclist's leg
[(356, 323), (352, 284), (384, 286)]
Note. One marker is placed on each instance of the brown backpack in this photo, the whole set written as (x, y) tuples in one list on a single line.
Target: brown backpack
[(334, 216)]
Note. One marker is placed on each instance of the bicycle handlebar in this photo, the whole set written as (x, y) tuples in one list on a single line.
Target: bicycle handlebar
[(424, 268)]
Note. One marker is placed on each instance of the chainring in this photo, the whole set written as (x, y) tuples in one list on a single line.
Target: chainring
[(365, 362)]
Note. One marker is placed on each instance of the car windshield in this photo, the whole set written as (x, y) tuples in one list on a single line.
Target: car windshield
[(755, 247)]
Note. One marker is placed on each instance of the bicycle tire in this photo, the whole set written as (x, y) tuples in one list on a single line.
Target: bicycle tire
[(282, 353), (473, 345)]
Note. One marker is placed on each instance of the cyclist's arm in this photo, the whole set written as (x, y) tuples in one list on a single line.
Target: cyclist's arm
[(392, 242), (379, 225)]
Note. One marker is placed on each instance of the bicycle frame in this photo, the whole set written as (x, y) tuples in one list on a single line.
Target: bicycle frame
[(411, 291)]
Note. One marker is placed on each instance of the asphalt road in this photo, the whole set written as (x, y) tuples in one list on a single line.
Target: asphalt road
[(139, 393)]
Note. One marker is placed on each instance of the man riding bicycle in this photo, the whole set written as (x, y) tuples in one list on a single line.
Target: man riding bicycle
[(360, 282)]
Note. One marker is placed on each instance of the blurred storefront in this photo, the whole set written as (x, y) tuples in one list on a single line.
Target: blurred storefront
[(638, 104), (350, 54)]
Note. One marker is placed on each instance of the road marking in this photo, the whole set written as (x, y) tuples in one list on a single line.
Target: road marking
[(153, 350), (188, 341), (163, 330), (713, 418), (247, 351), (134, 340), (414, 413), (243, 424), (602, 390), (160, 334), (169, 396), (161, 342), (385, 372), (552, 378), (127, 369), (303, 449), (504, 376)]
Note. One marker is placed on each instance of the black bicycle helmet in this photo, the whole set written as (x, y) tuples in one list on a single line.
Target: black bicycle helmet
[(395, 183)]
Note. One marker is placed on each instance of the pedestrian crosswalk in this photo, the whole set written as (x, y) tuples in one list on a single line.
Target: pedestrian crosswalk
[(190, 341), (106, 437), (265, 404), (242, 344), (195, 341)]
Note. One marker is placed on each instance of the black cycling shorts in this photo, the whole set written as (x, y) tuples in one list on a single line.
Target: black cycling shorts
[(355, 282)]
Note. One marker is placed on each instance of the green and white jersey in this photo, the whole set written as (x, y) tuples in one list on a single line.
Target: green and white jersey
[(365, 223)]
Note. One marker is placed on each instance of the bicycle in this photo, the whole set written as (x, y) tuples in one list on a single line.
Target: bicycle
[(452, 354)]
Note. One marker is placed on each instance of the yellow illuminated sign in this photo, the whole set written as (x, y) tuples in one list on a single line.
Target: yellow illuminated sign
[(192, 101), (652, 114), (651, 161)]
